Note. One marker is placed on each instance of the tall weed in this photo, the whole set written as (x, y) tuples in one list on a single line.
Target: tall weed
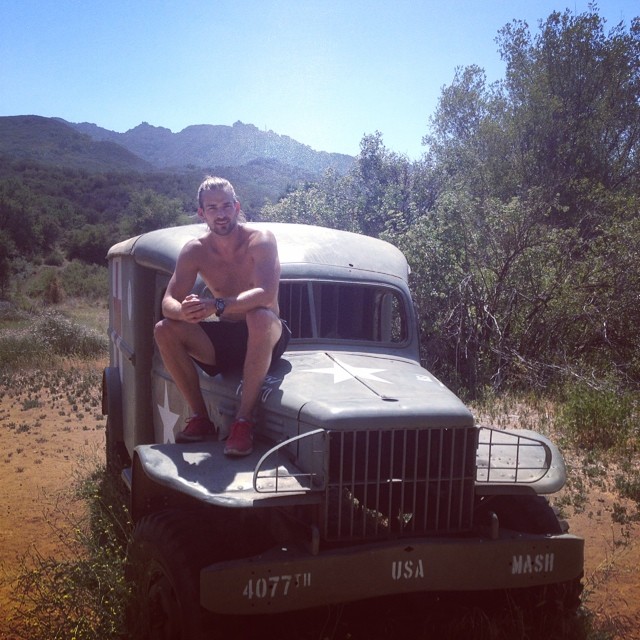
[(628, 483), (81, 593)]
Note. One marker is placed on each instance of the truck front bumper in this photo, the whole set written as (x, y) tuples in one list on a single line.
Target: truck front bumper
[(290, 579)]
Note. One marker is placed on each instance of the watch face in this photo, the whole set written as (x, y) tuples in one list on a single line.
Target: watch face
[(219, 306)]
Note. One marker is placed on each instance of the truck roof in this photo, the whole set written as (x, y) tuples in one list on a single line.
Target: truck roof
[(304, 250)]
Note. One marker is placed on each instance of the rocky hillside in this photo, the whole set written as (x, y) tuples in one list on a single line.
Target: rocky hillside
[(147, 148), (204, 146)]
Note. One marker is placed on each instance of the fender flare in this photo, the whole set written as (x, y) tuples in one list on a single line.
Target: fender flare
[(112, 407)]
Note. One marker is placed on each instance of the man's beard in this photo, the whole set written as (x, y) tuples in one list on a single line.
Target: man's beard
[(225, 229)]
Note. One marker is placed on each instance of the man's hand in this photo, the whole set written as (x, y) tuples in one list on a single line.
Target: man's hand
[(193, 309)]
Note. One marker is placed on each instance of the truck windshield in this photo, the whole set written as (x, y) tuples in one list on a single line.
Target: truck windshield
[(343, 311)]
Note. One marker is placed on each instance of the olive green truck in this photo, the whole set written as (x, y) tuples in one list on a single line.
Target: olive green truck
[(368, 477)]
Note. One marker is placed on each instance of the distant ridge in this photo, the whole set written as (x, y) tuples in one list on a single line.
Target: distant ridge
[(146, 148), (202, 146), (51, 141)]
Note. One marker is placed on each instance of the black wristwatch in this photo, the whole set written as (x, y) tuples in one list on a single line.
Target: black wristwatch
[(220, 306)]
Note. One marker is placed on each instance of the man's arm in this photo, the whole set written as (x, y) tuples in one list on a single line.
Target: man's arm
[(177, 304), (265, 277)]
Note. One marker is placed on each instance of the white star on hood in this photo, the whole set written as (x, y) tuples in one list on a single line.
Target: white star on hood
[(342, 372), (168, 418)]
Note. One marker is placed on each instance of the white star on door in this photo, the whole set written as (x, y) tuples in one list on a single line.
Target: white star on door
[(168, 418), (342, 372)]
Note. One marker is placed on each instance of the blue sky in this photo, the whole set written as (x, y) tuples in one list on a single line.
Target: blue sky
[(324, 72)]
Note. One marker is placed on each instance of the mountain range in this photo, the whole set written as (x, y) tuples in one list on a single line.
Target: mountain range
[(148, 148)]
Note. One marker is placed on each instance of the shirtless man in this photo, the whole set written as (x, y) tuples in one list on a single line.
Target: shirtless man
[(240, 266)]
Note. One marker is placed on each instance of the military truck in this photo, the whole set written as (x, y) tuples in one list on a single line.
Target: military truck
[(369, 478)]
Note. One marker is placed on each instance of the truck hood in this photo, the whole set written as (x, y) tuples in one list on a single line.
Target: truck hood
[(343, 390)]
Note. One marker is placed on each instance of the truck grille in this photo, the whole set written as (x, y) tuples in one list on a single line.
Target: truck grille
[(406, 482)]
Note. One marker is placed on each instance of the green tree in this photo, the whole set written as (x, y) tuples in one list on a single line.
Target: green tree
[(565, 121), (380, 185), (18, 217), (6, 251), (90, 243), (533, 182), (374, 197), (574, 92), (483, 275), (312, 204), (147, 210), (470, 142)]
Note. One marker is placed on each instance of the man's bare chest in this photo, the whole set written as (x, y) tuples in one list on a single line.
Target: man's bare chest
[(225, 279)]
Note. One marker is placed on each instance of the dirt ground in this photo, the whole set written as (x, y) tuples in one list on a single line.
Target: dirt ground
[(612, 559), (50, 436)]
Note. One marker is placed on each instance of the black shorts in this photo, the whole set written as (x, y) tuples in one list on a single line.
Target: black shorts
[(229, 339)]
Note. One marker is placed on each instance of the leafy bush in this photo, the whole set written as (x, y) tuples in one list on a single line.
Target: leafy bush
[(82, 280), (10, 313), (17, 349), (61, 336), (54, 259), (597, 418), (50, 335), (46, 285), (76, 279)]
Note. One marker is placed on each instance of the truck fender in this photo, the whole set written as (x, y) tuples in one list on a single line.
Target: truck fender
[(112, 408), (112, 400)]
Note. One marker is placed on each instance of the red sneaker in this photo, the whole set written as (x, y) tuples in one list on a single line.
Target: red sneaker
[(240, 440), (197, 429)]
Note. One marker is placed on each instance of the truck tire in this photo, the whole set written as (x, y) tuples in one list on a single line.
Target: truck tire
[(164, 559), (550, 603)]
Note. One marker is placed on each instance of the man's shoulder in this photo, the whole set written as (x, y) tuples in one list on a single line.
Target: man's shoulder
[(193, 249), (258, 236), (195, 244), (257, 231)]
